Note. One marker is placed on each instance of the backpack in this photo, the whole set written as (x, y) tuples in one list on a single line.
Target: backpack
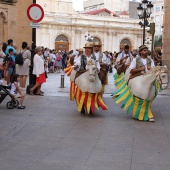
[(19, 59)]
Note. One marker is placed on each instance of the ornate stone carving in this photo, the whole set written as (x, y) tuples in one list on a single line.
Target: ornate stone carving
[(114, 33), (78, 31), (3, 13)]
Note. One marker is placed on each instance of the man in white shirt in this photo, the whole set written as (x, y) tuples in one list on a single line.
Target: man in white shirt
[(142, 63), (77, 59), (101, 57), (124, 57)]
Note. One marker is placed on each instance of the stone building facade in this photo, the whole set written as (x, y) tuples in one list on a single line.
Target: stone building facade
[(166, 34), (63, 28), (14, 23), (112, 5)]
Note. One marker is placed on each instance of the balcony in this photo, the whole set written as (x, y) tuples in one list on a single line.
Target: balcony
[(9, 2)]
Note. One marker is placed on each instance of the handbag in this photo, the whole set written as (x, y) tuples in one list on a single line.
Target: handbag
[(58, 58)]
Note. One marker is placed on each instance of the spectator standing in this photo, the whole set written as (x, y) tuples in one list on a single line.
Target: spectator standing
[(46, 52), (5, 71), (64, 60), (59, 61), (10, 46), (23, 70), (52, 61), (2, 54), (8, 61), (39, 71)]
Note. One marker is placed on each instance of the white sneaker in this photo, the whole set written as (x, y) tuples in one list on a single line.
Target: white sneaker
[(151, 120)]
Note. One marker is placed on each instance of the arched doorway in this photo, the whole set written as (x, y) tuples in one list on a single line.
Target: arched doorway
[(124, 42), (61, 43), (1, 27)]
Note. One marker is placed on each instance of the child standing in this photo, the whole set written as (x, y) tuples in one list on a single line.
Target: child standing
[(15, 90)]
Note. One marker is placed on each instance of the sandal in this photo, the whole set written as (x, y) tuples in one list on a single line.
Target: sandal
[(31, 92), (40, 94)]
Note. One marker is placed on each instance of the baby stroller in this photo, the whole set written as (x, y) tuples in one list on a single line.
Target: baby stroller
[(4, 91)]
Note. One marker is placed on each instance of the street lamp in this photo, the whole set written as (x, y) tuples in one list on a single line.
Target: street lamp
[(144, 11), (89, 38)]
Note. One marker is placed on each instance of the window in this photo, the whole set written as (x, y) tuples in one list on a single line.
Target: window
[(157, 18), (125, 42), (62, 38), (157, 8), (162, 8), (158, 28)]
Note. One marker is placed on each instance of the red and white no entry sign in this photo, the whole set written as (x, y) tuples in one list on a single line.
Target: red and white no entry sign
[(35, 13)]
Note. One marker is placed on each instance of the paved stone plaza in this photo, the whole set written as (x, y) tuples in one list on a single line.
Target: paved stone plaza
[(51, 135)]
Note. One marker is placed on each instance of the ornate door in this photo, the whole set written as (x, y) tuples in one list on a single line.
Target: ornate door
[(124, 42), (62, 46), (61, 43)]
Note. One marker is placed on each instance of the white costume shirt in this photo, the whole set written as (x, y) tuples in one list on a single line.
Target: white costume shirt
[(77, 62), (104, 59), (118, 58), (97, 62), (108, 62), (144, 61), (128, 60)]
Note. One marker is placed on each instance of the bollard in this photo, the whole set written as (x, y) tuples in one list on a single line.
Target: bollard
[(62, 81)]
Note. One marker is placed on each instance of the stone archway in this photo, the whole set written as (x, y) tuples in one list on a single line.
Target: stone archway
[(61, 43), (124, 42)]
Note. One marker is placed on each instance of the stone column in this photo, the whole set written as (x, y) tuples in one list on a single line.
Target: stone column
[(78, 39), (114, 42), (105, 42), (73, 39), (166, 34), (109, 39), (82, 40)]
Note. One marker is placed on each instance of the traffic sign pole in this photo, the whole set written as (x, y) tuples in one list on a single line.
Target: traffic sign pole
[(35, 14), (32, 77)]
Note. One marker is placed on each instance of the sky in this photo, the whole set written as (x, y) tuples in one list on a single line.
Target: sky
[(78, 4)]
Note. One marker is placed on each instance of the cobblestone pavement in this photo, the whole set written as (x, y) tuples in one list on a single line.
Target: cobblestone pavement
[(51, 135)]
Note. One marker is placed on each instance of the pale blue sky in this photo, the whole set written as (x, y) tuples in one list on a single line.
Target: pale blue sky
[(78, 4)]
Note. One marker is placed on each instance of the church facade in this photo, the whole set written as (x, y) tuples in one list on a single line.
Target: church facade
[(64, 29)]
